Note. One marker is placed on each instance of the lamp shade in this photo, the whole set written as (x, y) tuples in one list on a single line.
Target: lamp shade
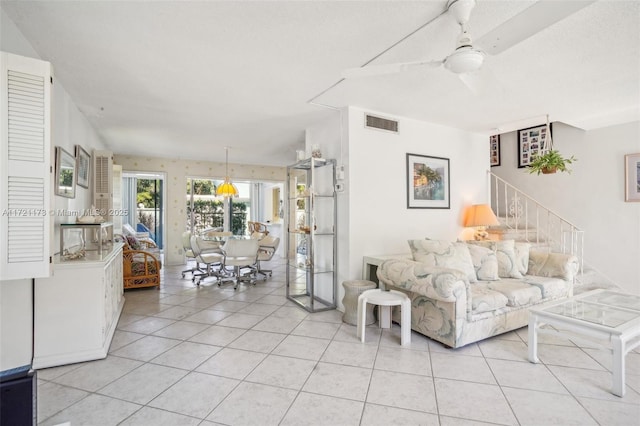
[(480, 215), (227, 189)]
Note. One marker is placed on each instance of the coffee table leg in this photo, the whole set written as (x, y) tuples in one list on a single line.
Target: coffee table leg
[(618, 366), (533, 338)]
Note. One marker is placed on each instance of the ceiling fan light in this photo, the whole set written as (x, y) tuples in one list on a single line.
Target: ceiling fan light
[(465, 59)]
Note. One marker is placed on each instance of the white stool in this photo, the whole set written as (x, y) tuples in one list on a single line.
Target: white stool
[(385, 300)]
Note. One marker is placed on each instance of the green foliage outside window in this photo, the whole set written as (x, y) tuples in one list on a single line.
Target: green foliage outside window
[(147, 192), (210, 214)]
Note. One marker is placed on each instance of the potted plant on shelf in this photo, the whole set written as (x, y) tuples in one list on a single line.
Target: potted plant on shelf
[(550, 162)]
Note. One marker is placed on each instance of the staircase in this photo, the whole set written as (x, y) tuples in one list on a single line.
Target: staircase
[(524, 219)]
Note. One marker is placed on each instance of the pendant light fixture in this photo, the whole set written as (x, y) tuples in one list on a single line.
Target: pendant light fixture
[(227, 189)]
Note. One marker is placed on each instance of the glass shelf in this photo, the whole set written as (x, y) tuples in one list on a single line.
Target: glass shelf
[(80, 241), (311, 241)]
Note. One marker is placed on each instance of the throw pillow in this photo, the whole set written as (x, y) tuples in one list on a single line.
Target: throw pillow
[(505, 251), (522, 256), (444, 253), (133, 242), (556, 265), (485, 262)]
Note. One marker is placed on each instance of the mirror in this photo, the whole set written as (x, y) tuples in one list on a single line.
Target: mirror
[(65, 173)]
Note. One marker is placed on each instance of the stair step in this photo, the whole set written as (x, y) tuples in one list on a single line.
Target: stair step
[(504, 233)]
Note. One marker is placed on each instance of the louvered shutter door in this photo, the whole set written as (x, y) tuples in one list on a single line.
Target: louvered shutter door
[(103, 182), (25, 172)]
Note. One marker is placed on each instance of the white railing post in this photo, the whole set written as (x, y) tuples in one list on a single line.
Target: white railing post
[(506, 206)]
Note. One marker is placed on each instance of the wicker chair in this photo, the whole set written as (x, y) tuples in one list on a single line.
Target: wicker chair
[(140, 266)]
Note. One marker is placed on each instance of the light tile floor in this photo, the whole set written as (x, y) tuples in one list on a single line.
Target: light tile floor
[(187, 355)]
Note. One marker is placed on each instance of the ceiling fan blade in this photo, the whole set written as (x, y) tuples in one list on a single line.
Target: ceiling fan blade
[(530, 21), (373, 70)]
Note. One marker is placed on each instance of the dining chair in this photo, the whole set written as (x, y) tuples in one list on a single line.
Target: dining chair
[(209, 258), (242, 255), (267, 248), (188, 252)]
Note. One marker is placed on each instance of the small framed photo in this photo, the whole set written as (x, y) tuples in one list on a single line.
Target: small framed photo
[(494, 150), (531, 142), (632, 177), (428, 185), (83, 166), (66, 175)]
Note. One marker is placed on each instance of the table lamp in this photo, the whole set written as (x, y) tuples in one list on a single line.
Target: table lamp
[(480, 216)]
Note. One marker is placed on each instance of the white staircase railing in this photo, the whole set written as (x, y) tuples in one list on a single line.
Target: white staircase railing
[(532, 222)]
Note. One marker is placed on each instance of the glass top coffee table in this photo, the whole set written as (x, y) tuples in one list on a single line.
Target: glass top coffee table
[(606, 316)]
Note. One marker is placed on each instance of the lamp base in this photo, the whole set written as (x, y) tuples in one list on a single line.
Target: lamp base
[(481, 234)]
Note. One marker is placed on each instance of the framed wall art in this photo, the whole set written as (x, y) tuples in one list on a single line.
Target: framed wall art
[(632, 177), (532, 141), (83, 166), (428, 185), (65, 185), (494, 150)]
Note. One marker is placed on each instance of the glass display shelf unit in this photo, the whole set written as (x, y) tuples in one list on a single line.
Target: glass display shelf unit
[(85, 241), (310, 242)]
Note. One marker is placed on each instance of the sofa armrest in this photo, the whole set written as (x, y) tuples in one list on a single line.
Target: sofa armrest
[(556, 265), (438, 283)]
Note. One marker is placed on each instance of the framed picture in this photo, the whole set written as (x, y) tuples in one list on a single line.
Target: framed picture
[(532, 141), (83, 165), (65, 185), (428, 185), (494, 150), (632, 177)]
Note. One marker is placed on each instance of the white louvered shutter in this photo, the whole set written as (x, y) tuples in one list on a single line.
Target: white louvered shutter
[(25, 167), (103, 182)]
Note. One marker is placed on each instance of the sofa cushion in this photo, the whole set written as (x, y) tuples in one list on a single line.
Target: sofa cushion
[(550, 287), (521, 250), (483, 299), (444, 253), (556, 265), (485, 262), (505, 251), (517, 292)]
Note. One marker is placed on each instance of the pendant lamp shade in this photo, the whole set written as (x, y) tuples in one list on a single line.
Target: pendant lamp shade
[(227, 189)]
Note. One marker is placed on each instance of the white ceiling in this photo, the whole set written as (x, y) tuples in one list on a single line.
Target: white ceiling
[(183, 79)]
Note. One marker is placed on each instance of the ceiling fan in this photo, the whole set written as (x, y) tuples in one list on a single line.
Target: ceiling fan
[(466, 58)]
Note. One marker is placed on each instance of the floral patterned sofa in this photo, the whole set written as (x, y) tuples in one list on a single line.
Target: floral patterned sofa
[(463, 292)]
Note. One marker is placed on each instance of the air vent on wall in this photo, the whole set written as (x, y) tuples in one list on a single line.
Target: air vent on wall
[(381, 123)]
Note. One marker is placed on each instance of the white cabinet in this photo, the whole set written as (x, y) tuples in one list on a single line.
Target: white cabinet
[(77, 310)]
